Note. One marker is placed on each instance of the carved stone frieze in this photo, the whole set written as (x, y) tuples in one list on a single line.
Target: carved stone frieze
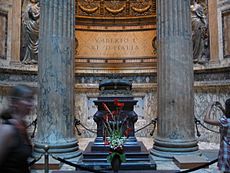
[(118, 8), (143, 7), (88, 7)]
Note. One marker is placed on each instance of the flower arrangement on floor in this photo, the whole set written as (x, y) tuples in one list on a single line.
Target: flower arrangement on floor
[(116, 131)]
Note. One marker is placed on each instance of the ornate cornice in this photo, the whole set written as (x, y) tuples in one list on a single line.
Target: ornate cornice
[(115, 8), (141, 10), (88, 10), (115, 11)]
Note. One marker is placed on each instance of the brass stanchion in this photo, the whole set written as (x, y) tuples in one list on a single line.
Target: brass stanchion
[(46, 155)]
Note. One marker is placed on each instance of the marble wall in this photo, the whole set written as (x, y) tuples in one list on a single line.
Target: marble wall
[(203, 97), (145, 108), (209, 87), (223, 18), (10, 22), (212, 82), (219, 23)]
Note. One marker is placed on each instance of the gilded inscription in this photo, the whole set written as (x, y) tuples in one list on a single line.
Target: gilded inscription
[(115, 44)]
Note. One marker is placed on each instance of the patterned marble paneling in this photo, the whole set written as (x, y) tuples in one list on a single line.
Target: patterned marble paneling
[(146, 114), (207, 90), (202, 98), (84, 112), (212, 74), (17, 78), (18, 73), (147, 110), (138, 78)]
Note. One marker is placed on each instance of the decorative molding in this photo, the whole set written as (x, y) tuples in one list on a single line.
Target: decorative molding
[(115, 11), (88, 10), (141, 10), (119, 8)]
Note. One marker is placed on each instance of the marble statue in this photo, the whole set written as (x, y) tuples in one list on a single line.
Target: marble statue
[(31, 28), (199, 35)]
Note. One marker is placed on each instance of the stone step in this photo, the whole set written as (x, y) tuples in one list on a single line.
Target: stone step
[(104, 155), (105, 160), (141, 165), (190, 161), (123, 171)]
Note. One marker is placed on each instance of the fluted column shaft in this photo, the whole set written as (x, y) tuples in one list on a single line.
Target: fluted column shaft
[(56, 77), (175, 132)]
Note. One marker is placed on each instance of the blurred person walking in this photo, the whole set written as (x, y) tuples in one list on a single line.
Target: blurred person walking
[(15, 145)]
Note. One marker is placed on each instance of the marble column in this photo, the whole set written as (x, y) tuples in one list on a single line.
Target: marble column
[(175, 128), (56, 79)]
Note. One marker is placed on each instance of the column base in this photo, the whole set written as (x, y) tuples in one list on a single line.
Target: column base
[(168, 149), (66, 150)]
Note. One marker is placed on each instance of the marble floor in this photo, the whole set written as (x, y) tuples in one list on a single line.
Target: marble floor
[(162, 163)]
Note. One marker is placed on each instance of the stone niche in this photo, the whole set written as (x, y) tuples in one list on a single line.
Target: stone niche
[(10, 22), (210, 85), (144, 92), (115, 36)]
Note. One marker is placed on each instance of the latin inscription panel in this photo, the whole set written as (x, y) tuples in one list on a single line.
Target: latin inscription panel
[(128, 44)]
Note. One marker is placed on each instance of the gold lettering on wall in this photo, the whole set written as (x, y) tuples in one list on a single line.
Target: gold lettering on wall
[(115, 44)]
